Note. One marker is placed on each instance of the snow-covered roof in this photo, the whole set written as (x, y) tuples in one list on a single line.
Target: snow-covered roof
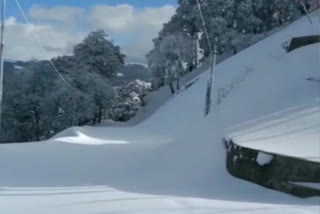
[(294, 132)]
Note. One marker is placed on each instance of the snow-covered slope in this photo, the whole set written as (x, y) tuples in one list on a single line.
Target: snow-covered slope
[(174, 162)]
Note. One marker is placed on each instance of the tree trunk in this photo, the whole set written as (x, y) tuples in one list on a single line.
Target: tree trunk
[(280, 18), (179, 69), (171, 87), (178, 83), (195, 51), (37, 123), (94, 120), (269, 17), (234, 49), (100, 114)]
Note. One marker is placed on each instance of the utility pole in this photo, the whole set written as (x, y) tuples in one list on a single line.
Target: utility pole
[(304, 6), (3, 15), (213, 62)]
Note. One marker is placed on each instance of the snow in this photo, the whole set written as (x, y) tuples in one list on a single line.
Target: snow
[(137, 63), (18, 67), (311, 185), (174, 161), (81, 138), (75, 201), (264, 158), (235, 158), (119, 74)]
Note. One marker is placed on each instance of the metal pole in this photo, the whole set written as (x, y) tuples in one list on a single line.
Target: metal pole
[(2, 59), (307, 12)]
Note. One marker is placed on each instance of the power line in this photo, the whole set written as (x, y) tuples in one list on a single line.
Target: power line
[(204, 25), (39, 43)]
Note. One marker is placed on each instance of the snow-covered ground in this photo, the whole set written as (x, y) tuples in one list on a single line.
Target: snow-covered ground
[(173, 162)]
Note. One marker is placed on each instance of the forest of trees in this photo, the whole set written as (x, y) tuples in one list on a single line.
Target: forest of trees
[(232, 26), (38, 102), (42, 97)]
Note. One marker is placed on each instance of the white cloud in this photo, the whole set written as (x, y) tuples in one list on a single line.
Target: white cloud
[(10, 21), (20, 41), (127, 19), (116, 19), (141, 24), (60, 13), (60, 28)]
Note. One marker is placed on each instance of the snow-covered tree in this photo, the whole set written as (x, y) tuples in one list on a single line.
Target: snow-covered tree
[(98, 54), (166, 60), (91, 86), (44, 103), (128, 100)]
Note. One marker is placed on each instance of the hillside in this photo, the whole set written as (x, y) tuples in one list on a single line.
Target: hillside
[(173, 162)]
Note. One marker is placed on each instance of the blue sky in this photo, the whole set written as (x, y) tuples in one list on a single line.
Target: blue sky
[(61, 24), (26, 4)]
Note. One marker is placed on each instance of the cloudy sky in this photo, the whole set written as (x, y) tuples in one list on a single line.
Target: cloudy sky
[(60, 24)]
